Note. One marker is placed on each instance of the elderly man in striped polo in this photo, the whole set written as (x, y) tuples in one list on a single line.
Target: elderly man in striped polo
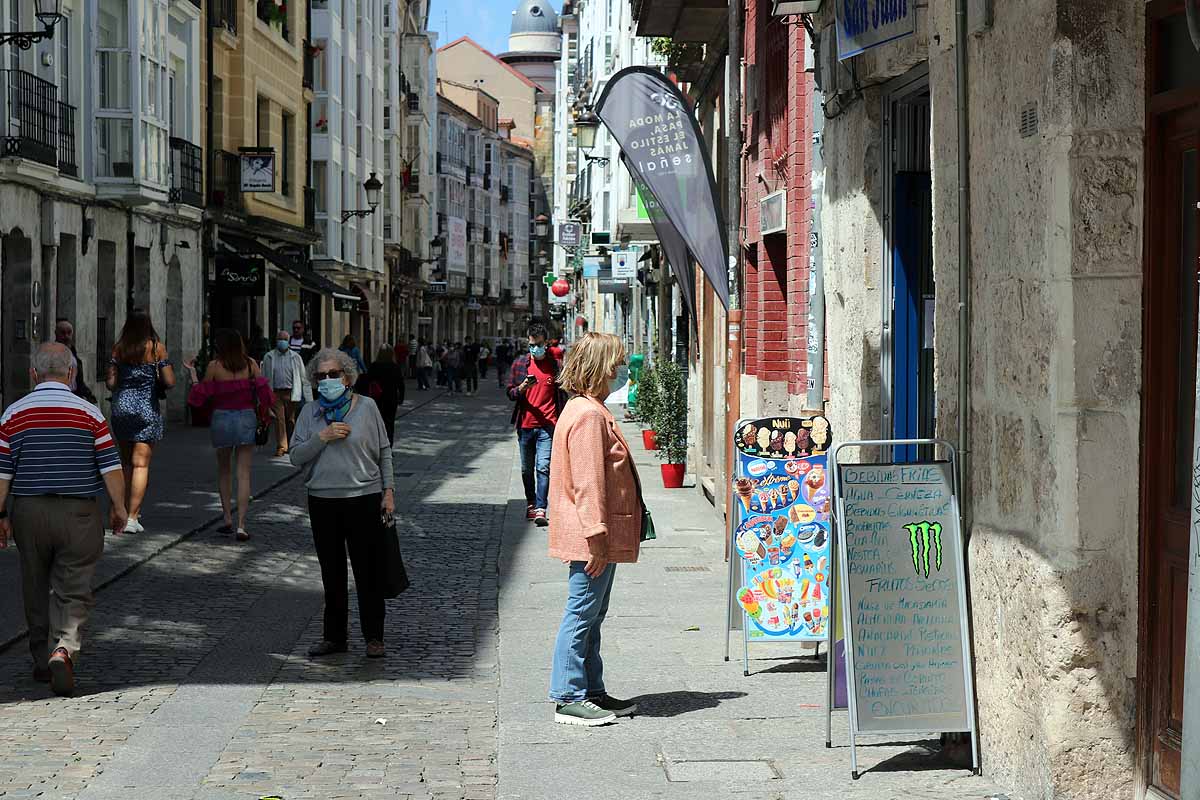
[(56, 457)]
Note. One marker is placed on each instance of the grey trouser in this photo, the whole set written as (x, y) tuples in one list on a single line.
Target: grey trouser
[(60, 539)]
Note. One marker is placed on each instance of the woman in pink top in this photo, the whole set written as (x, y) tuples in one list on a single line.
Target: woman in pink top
[(239, 397), (595, 524)]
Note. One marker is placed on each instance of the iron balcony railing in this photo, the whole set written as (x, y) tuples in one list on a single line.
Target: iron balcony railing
[(187, 173), (67, 161), (225, 189), (223, 14), (30, 122)]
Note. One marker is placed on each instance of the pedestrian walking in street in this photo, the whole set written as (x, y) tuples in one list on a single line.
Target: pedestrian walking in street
[(138, 376), (64, 334), (454, 362), (424, 366), (596, 523), (350, 348), (283, 369), (470, 366), (385, 374), (533, 388), (484, 355), (504, 359), (56, 456), (351, 497), (257, 346), (240, 399), (301, 341)]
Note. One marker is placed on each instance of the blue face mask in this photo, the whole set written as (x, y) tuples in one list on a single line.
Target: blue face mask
[(282, 345), (537, 350), (331, 388)]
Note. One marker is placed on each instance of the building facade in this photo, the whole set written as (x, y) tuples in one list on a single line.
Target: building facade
[(101, 190)]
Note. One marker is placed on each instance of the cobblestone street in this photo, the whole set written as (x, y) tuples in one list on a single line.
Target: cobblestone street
[(194, 682)]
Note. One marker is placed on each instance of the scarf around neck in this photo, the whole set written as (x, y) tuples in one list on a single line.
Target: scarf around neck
[(337, 409)]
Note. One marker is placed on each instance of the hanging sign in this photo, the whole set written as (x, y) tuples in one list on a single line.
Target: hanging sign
[(241, 275), (570, 234), (902, 588), (782, 528), (258, 170), (864, 24), (456, 255), (665, 150), (673, 246), (624, 265)]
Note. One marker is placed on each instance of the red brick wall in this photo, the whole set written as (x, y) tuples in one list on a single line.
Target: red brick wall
[(778, 138)]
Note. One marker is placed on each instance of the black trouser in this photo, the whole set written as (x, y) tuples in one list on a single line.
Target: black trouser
[(483, 367), (349, 524), (388, 412)]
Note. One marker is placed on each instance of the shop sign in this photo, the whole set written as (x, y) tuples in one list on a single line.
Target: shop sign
[(424, 320), (437, 287), (258, 170), (473, 305), (241, 275), (345, 304), (570, 234), (624, 265), (864, 24), (456, 228)]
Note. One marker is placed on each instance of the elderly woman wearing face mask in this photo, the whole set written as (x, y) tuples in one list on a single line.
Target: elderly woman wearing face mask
[(342, 438)]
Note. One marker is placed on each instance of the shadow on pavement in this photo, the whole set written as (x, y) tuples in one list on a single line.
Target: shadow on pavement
[(673, 704)]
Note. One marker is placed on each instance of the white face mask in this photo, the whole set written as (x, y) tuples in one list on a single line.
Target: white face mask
[(331, 388)]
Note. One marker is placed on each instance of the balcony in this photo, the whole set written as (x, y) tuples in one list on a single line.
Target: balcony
[(67, 164), (470, 231), (505, 193), (487, 181), (187, 173), (225, 187), (487, 235), (413, 184), (223, 14), (310, 207), (414, 102), (30, 124)]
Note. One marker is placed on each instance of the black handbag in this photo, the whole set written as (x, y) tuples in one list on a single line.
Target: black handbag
[(262, 429), (648, 532), (160, 388), (394, 578)]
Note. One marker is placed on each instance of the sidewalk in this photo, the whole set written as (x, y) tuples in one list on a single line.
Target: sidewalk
[(182, 499), (703, 730)]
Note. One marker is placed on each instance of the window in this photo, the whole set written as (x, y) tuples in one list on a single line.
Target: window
[(387, 118), (319, 186), (14, 24), (62, 34), (263, 123), (285, 158), (155, 117), (114, 124), (320, 65)]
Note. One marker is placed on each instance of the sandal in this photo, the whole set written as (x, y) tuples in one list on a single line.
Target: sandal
[(242, 536), (226, 528)]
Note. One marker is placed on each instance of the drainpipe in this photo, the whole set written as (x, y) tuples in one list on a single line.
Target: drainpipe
[(815, 401), (130, 243), (733, 178), (964, 264), (208, 235)]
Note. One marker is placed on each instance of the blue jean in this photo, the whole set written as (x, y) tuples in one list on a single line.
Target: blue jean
[(578, 670), (535, 444)]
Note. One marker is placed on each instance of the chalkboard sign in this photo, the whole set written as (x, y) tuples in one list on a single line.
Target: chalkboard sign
[(904, 600)]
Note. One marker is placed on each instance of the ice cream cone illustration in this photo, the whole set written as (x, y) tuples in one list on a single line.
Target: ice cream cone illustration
[(745, 488), (788, 543)]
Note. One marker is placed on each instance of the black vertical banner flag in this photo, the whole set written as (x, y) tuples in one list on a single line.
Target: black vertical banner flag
[(673, 246), (665, 151)]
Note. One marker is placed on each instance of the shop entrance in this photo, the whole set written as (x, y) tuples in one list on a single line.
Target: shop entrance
[(1169, 374), (909, 401)]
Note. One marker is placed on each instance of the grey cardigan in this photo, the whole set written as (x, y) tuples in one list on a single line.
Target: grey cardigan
[(358, 465)]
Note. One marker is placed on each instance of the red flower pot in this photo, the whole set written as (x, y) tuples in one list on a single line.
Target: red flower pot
[(672, 475), (650, 439)]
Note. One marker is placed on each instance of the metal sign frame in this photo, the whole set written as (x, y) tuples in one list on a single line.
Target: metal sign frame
[(840, 591)]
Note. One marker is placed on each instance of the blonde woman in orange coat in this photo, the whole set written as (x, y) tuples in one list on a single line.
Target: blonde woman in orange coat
[(595, 524)]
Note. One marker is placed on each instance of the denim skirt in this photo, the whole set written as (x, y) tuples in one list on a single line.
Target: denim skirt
[(233, 428)]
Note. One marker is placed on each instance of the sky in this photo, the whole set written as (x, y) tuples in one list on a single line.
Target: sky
[(485, 21)]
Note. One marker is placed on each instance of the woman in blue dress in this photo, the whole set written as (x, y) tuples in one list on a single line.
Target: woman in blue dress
[(139, 365)]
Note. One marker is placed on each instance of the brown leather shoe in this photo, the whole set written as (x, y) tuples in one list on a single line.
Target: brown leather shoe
[(62, 672), (375, 649), (41, 673), (326, 648)]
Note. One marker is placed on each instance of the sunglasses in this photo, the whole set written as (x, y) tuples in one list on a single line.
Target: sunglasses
[(335, 374)]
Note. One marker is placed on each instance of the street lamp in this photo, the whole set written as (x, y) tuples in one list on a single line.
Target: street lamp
[(543, 259), (48, 12), (541, 226), (435, 247), (783, 8), (372, 187), (586, 126)]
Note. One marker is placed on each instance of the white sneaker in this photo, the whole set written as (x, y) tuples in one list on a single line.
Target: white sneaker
[(133, 526)]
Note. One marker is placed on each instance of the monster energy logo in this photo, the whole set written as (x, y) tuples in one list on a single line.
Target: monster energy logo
[(920, 536)]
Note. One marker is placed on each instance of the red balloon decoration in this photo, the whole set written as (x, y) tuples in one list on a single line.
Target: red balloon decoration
[(560, 287)]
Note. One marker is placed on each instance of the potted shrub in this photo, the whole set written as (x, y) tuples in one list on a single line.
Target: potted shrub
[(647, 406), (670, 423)]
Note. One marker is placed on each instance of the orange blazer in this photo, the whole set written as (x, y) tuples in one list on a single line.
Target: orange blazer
[(592, 487)]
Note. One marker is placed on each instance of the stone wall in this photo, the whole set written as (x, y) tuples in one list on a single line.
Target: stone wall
[(1055, 363)]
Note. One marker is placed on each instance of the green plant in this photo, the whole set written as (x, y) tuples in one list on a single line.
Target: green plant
[(647, 397), (677, 53), (671, 413)]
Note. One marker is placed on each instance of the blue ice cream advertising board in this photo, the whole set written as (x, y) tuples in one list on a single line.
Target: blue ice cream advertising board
[(782, 502)]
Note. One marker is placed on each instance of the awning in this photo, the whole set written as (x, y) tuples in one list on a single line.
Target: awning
[(291, 263)]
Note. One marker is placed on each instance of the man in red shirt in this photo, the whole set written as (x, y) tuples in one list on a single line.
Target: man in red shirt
[(533, 387)]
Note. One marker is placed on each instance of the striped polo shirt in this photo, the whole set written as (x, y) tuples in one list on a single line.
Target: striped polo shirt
[(52, 442)]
